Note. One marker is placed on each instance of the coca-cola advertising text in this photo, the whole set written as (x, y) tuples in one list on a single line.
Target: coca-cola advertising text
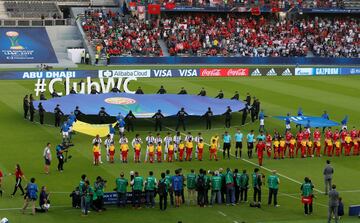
[(224, 72)]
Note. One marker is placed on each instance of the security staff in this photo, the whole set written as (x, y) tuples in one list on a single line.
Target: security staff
[(115, 90), (72, 91), (77, 112), (96, 58), (257, 108), (54, 94), (32, 110), (228, 117), (253, 111), (161, 90), (244, 114), (108, 59), (94, 91), (202, 92), (129, 118), (181, 119), (248, 99), (26, 105), (208, 115), (87, 58), (182, 91), (158, 120), (139, 91), (41, 113), (220, 95), (82, 56), (102, 115), (236, 96), (42, 96), (58, 113)]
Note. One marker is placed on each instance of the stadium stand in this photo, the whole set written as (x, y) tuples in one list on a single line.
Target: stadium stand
[(108, 31), (219, 35), (32, 9)]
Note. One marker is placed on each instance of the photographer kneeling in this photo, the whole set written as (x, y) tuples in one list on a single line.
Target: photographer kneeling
[(44, 201)]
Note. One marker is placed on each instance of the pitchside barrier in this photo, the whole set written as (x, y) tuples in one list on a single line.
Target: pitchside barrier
[(166, 73), (324, 61), (110, 198), (354, 210)]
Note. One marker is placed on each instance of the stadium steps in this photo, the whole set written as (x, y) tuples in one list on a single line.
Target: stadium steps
[(164, 48), (3, 13), (62, 38), (103, 2)]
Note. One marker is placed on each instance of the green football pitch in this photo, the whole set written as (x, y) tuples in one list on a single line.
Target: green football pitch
[(23, 142)]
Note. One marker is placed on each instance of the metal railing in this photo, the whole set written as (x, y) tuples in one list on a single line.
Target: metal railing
[(36, 22)]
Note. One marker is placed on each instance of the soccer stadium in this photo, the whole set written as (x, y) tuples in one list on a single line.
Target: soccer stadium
[(226, 111)]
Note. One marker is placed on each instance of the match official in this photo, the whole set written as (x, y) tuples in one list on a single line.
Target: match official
[(208, 115), (58, 114), (181, 119), (158, 116)]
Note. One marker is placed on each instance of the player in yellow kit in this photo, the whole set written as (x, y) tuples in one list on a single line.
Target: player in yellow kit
[(111, 152), (213, 149), (151, 150), (276, 145), (124, 152), (189, 149), (292, 144), (159, 152), (200, 147), (170, 152), (137, 148), (309, 145)]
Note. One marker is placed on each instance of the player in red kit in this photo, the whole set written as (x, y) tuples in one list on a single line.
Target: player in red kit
[(328, 135), (317, 148), (299, 138), (288, 137), (356, 146), (317, 135), (343, 135), (260, 147), (268, 145), (335, 137), (353, 135), (306, 134)]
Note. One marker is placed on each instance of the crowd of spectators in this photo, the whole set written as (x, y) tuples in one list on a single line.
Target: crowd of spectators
[(248, 36), (258, 3), (114, 34), (223, 35)]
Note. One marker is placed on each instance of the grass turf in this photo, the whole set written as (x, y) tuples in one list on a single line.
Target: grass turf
[(23, 142)]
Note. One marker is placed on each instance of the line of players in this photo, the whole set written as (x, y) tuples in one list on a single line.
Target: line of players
[(169, 149), (276, 146), (310, 144)]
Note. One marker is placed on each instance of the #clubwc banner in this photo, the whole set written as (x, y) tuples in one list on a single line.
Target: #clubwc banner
[(25, 45)]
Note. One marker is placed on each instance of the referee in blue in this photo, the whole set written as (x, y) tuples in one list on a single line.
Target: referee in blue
[(250, 143), (238, 143), (226, 146)]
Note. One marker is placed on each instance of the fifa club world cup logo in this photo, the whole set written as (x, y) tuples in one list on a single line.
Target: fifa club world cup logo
[(14, 39)]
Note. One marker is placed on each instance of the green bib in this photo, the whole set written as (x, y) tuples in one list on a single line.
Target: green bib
[(216, 183), (138, 183), (150, 183), (191, 181), (121, 184), (273, 182)]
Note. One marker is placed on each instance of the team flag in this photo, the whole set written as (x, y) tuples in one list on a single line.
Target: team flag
[(170, 5), (154, 9), (255, 11)]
